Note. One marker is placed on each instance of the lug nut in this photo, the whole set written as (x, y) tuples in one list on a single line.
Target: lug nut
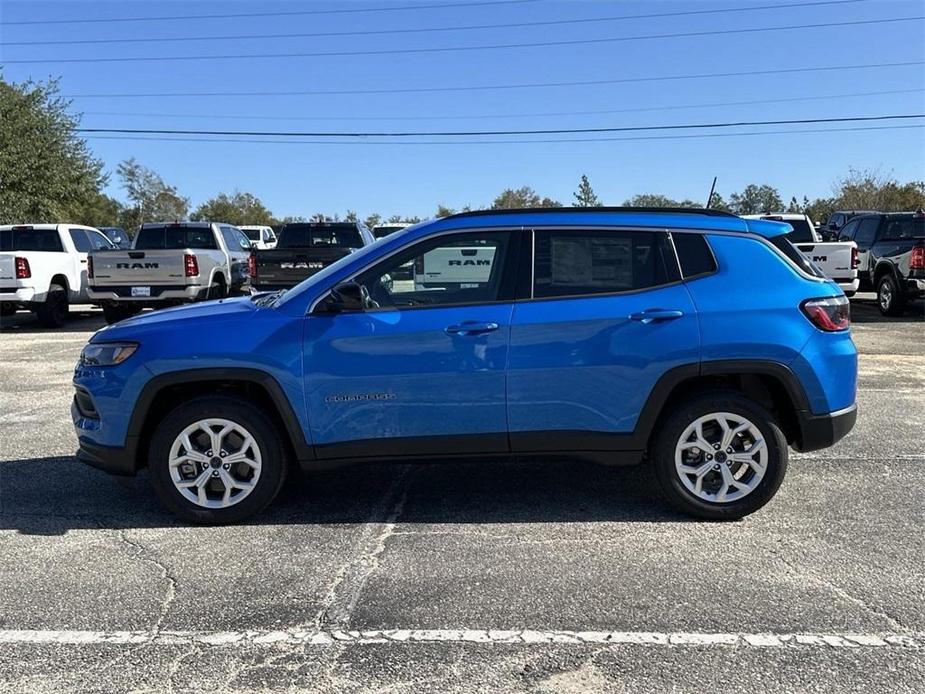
[(709, 457), (209, 452), (223, 453), (729, 450), (226, 466), (716, 467), (716, 446), (215, 473)]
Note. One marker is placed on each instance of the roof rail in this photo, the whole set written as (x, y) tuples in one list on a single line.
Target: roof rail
[(541, 210)]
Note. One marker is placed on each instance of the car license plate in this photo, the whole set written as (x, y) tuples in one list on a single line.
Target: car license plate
[(141, 291)]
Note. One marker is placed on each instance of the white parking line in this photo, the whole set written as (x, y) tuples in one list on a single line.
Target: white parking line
[(302, 637)]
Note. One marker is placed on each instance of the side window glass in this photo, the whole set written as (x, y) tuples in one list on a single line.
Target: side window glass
[(847, 233), (694, 254), (230, 242), (98, 242), (81, 242), (867, 231), (243, 242), (457, 269), (580, 262)]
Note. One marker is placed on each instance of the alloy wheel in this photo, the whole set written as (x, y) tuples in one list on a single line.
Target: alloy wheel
[(721, 457)]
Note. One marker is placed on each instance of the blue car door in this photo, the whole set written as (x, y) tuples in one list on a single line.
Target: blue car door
[(422, 370), (606, 318)]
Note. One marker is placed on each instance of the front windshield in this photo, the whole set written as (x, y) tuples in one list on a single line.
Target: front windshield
[(321, 278)]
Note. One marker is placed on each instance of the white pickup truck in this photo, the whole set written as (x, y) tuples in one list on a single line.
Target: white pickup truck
[(458, 267), (171, 263), (43, 268), (838, 260)]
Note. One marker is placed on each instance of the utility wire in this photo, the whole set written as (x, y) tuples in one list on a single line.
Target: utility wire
[(425, 30), (639, 138), (548, 114), (290, 13), (457, 49), (491, 87), (470, 133)]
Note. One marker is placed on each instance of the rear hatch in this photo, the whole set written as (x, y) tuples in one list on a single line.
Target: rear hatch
[(303, 249)]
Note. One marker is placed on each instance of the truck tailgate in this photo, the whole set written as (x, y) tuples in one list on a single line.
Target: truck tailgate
[(833, 258), (287, 267), (149, 268)]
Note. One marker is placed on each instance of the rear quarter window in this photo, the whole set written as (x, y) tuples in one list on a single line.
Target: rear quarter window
[(694, 255), (783, 244)]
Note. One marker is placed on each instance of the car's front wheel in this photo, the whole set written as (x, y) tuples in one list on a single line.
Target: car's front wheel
[(720, 456), (216, 460)]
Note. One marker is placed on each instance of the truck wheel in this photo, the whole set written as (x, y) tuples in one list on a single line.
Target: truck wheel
[(216, 460), (53, 313), (113, 313), (890, 300), (7, 310), (216, 291), (720, 456)]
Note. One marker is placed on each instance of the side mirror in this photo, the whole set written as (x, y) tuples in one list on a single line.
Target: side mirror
[(347, 296)]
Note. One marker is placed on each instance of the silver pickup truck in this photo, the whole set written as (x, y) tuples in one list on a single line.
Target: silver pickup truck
[(168, 264)]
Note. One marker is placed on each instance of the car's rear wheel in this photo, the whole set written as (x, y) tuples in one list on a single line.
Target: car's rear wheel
[(216, 460), (53, 312), (890, 300), (720, 456)]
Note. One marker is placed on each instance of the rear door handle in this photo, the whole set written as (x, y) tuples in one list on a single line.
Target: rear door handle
[(471, 327), (654, 315)]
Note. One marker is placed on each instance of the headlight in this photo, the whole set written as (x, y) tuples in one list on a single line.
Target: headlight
[(107, 353)]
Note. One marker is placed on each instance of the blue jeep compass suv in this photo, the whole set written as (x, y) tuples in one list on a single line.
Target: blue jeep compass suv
[(696, 341)]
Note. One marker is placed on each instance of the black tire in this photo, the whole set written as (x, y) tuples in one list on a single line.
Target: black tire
[(216, 290), (265, 434), (670, 432), (7, 310), (53, 313), (890, 299), (113, 313), (849, 294)]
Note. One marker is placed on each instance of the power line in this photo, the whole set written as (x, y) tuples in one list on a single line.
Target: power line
[(457, 49), (549, 114), (491, 87), (291, 13), (424, 30), (639, 138), (485, 133)]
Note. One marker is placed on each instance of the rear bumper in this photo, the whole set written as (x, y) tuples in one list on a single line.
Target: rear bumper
[(848, 285), (821, 431), (123, 293), (17, 295)]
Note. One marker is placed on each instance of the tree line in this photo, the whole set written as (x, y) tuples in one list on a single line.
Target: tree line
[(49, 174)]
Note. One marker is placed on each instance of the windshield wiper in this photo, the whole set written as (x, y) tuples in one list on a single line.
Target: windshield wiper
[(269, 299)]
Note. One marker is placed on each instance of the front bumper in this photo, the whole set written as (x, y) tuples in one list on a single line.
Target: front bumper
[(821, 431)]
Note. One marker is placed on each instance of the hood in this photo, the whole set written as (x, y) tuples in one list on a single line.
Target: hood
[(203, 314)]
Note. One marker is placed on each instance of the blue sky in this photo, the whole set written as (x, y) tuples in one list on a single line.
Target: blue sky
[(407, 178)]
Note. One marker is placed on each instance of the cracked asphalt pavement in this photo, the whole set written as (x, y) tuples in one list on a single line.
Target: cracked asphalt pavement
[(463, 577)]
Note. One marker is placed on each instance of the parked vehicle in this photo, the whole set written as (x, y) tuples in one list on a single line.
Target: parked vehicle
[(43, 268), (891, 247), (838, 219), (383, 230), (170, 263), (838, 260), (304, 248), (117, 235), (262, 237), (697, 341)]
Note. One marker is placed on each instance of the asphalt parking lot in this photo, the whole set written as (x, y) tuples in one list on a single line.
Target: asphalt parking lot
[(547, 577)]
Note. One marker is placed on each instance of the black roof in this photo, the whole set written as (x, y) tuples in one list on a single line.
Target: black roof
[(533, 210)]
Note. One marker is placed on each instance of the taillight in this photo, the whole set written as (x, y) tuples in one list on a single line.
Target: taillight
[(252, 267), (90, 267), (830, 314), (917, 261), (855, 259), (191, 265), (23, 271)]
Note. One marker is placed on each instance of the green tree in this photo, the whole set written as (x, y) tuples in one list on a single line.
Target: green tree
[(585, 195), (871, 190), (511, 199), (657, 200), (47, 173), (237, 208), (152, 200), (444, 211), (98, 210), (351, 216), (373, 220), (755, 199)]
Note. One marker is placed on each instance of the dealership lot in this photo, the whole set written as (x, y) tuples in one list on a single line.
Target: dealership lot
[(509, 576)]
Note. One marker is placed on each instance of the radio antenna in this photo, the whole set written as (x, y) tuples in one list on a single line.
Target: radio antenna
[(710, 198)]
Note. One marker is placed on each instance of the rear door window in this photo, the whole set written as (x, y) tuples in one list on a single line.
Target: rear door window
[(904, 229), (848, 232), (576, 262), (867, 232)]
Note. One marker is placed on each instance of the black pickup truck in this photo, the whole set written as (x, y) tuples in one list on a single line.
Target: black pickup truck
[(891, 251), (304, 248)]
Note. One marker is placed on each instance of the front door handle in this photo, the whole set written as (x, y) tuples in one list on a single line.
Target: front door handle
[(654, 315), (471, 327)]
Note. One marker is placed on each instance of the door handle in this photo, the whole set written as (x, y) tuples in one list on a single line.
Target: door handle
[(471, 327), (654, 315)]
